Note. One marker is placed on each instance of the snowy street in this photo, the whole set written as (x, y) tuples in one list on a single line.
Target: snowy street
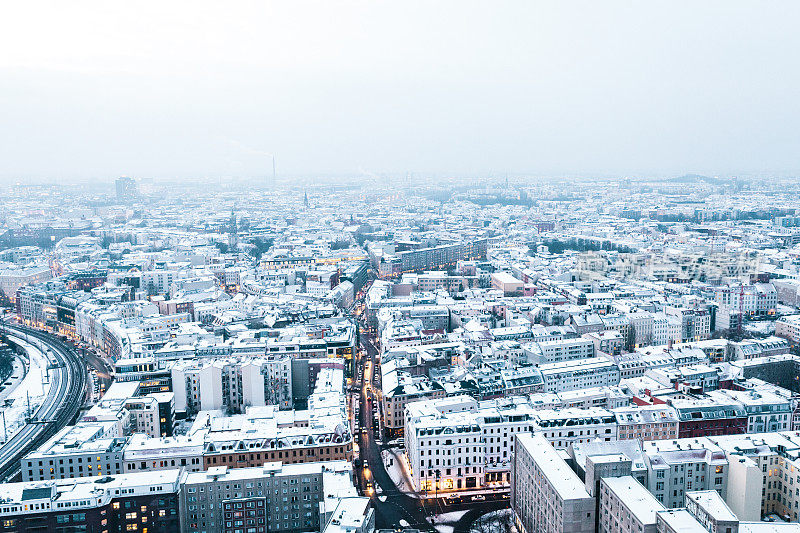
[(34, 386), (19, 368)]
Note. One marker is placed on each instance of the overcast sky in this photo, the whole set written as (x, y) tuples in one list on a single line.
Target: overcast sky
[(184, 89)]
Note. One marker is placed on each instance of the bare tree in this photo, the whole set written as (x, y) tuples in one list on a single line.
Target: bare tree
[(495, 522)]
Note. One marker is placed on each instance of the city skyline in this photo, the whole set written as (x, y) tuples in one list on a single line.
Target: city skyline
[(418, 267)]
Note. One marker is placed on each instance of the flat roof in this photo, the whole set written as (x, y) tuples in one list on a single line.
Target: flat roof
[(681, 521), (505, 277), (349, 515), (713, 504), (586, 363), (564, 481), (223, 473), (637, 499), (769, 527)]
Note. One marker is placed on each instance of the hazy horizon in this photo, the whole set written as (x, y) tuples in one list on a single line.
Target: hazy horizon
[(90, 91)]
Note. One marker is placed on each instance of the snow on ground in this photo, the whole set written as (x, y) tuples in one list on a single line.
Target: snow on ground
[(761, 328), (448, 518), (501, 521), (497, 514), (16, 377), (395, 470), (445, 522), (34, 382), (33, 386)]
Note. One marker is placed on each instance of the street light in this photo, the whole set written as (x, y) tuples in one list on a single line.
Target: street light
[(438, 475)]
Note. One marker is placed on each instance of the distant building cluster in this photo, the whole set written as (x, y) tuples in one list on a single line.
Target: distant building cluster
[(612, 357)]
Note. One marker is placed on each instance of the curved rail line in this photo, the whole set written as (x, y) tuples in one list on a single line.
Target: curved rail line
[(63, 401)]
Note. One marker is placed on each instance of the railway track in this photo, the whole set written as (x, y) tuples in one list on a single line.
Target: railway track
[(63, 401)]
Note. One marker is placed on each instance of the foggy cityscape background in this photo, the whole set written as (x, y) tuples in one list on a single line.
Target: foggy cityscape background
[(348, 89)]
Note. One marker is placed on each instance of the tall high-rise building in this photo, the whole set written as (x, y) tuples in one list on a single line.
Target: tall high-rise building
[(233, 232), (126, 189)]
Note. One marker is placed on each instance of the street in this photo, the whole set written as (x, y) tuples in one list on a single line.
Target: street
[(101, 367), (391, 505)]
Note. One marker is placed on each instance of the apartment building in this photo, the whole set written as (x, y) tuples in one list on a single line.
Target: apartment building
[(642, 326), (766, 411), (706, 416), (760, 299), (269, 497), (608, 342), (232, 383), (579, 374), (84, 450), (565, 427), (123, 502), (788, 327), (400, 388), (352, 514), (508, 284), (646, 422), (696, 378), (445, 452), (500, 421), (15, 277), (678, 466), (625, 506), (606, 397), (772, 484), (143, 453), (264, 434), (546, 495), (556, 351), (708, 508), (469, 443)]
